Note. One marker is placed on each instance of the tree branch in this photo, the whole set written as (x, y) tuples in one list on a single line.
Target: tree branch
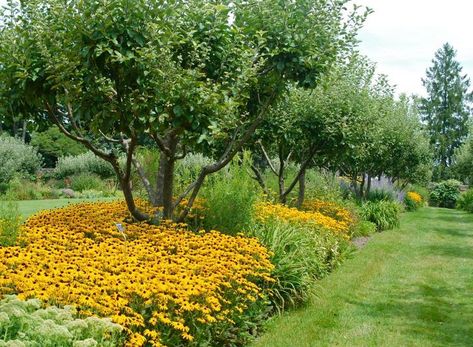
[(232, 149), (301, 171), (266, 156)]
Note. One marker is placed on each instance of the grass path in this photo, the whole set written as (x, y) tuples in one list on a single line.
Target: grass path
[(408, 287), (28, 207)]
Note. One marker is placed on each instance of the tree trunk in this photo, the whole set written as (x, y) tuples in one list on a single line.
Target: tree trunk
[(301, 195), (160, 179), (368, 186), (282, 195), (362, 185), (130, 202), (165, 179), (259, 178), (23, 132)]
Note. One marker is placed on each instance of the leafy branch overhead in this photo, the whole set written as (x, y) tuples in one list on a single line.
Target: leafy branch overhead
[(186, 76)]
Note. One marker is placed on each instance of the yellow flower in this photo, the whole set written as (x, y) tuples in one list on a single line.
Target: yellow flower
[(147, 278)]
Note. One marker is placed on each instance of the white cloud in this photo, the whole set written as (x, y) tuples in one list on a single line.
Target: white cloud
[(402, 36)]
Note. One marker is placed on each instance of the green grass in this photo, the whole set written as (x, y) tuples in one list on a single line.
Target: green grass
[(411, 286), (28, 207)]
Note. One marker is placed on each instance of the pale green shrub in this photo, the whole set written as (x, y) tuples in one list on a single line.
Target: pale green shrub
[(83, 163), (17, 158), (26, 323)]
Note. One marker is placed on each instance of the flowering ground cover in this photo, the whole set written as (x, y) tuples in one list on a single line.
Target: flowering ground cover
[(327, 215), (164, 284)]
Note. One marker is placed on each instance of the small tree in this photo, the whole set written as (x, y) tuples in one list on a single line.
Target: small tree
[(181, 75), (446, 109)]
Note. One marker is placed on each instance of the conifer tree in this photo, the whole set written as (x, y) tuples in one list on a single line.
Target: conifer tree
[(446, 108)]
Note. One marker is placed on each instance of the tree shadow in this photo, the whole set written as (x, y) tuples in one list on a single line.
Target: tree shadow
[(447, 250), (438, 315)]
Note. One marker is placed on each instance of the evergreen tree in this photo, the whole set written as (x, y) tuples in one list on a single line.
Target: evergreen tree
[(446, 109)]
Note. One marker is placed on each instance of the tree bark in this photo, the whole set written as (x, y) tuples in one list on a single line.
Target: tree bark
[(362, 185), (23, 132), (165, 179), (130, 201), (259, 178), (301, 195), (282, 195), (368, 186)]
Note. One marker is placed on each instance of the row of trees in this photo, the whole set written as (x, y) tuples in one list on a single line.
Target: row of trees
[(350, 123), (211, 77)]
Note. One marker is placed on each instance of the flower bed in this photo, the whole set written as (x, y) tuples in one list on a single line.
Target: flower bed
[(164, 284), (339, 223)]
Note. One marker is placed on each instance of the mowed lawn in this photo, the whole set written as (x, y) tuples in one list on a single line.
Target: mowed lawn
[(28, 207), (408, 287)]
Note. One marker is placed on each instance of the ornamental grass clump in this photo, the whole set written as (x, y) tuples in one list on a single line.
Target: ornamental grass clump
[(164, 284), (302, 254), (385, 214)]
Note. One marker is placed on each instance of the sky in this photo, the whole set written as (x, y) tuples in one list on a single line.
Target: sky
[(401, 36)]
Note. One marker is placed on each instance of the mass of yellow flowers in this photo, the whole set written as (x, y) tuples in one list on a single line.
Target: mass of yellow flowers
[(323, 214), (416, 197), (162, 283)]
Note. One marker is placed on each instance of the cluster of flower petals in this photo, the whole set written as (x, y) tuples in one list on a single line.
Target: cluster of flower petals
[(153, 280)]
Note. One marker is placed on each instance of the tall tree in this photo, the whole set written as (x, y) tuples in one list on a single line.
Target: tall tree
[(446, 109)]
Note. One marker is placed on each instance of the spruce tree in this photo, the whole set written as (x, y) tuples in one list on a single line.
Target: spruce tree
[(446, 109)]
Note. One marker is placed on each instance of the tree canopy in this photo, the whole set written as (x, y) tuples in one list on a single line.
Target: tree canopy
[(181, 74)]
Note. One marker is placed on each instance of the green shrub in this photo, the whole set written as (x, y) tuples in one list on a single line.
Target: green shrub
[(445, 193), (385, 214), (380, 195), (87, 163), (23, 189), (17, 159), (10, 221), (229, 200), (364, 228), (86, 181), (53, 144), (301, 255), (465, 201), (27, 324), (322, 185)]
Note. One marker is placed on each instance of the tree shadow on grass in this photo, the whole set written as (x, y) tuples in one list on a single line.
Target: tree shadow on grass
[(438, 316), (447, 250)]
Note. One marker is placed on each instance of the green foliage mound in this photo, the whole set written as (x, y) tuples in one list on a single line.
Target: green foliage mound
[(445, 193), (24, 189), (25, 323), (376, 195), (83, 163), (17, 158), (465, 201), (385, 214), (230, 198), (52, 144)]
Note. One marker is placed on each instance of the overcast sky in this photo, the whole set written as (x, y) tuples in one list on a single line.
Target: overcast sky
[(401, 36)]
